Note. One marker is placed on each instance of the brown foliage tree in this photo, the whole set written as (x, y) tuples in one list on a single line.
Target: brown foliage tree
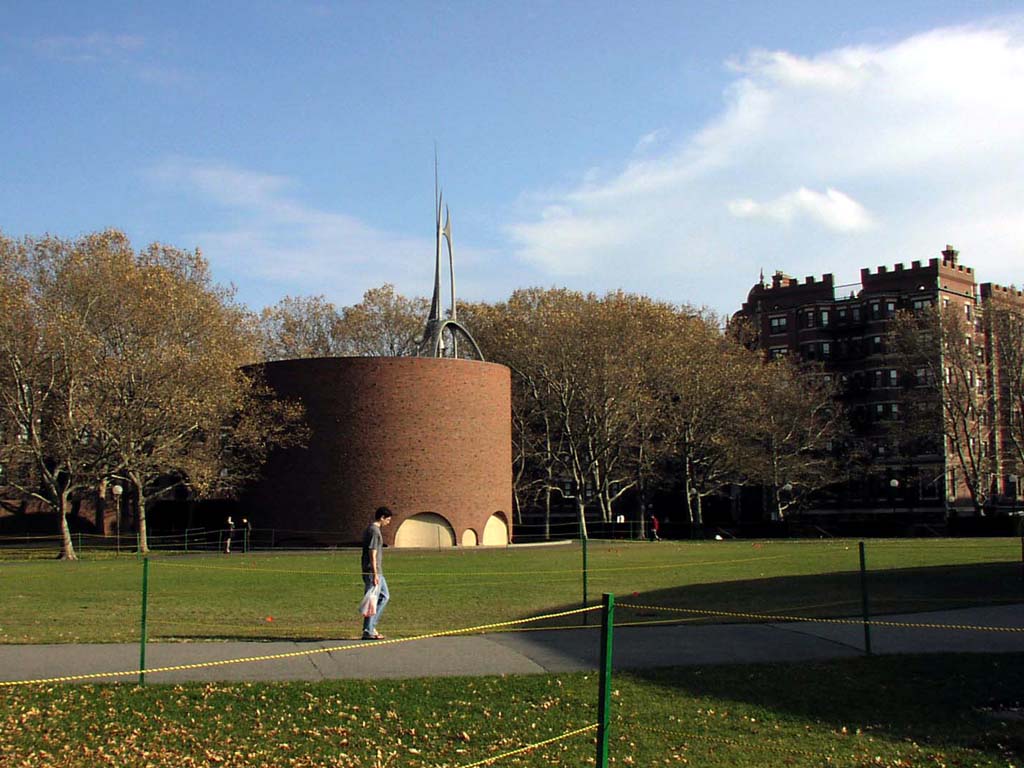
[(383, 324), (299, 327), (142, 356)]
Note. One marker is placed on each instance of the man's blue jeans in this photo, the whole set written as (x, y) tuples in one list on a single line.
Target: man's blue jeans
[(370, 622)]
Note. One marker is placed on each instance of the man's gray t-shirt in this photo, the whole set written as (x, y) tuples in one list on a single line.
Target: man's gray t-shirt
[(373, 542)]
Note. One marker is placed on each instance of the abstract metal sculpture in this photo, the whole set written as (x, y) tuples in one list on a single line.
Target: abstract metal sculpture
[(442, 335)]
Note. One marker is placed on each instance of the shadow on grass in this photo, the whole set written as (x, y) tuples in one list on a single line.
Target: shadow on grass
[(700, 640), (832, 595), (939, 701)]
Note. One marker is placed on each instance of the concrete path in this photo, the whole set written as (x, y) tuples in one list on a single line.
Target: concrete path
[(521, 652)]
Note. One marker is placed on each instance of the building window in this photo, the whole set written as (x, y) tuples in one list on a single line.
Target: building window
[(921, 376), (945, 303), (824, 318), (876, 309), (893, 378), (895, 410), (967, 311), (856, 313), (776, 352), (778, 324), (890, 308), (920, 304), (876, 379), (876, 344), (826, 349), (842, 315)]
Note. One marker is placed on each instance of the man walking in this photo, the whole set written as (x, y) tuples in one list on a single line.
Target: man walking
[(373, 573)]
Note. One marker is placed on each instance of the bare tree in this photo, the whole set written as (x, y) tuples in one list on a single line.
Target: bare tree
[(1005, 323), (795, 422), (940, 348)]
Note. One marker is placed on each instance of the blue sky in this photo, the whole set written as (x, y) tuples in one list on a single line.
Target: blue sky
[(673, 149)]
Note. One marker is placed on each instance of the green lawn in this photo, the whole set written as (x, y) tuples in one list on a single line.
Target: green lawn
[(889, 711), (315, 595)]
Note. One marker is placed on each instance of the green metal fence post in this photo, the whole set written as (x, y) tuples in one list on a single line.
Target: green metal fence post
[(604, 702), (864, 601), (142, 637)]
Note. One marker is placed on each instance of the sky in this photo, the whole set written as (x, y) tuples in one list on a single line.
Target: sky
[(674, 149)]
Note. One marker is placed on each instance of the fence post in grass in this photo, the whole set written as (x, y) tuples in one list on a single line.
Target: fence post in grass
[(604, 702), (864, 601), (142, 636)]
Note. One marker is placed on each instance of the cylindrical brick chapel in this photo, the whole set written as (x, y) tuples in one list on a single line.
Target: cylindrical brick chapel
[(431, 438)]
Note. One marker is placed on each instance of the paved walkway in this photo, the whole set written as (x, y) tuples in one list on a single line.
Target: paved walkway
[(523, 652)]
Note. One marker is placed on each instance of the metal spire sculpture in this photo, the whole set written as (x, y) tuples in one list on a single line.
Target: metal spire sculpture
[(442, 335)]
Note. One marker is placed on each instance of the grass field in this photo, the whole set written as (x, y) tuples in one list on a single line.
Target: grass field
[(315, 595), (899, 711)]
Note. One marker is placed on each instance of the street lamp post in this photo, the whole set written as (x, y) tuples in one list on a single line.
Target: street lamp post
[(894, 485), (117, 490)]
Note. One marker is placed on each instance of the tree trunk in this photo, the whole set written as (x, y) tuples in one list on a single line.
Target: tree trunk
[(140, 501), (642, 495), (547, 513), (101, 508), (67, 548), (581, 515)]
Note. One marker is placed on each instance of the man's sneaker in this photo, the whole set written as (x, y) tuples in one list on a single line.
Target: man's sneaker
[(374, 636)]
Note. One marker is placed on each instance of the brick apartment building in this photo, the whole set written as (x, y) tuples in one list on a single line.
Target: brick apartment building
[(845, 329)]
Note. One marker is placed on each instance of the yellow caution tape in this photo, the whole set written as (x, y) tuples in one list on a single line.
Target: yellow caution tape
[(293, 654), (529, 747), (811, 619)]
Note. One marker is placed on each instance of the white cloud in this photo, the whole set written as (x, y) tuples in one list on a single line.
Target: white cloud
[(833, 209), (854, 157), (279, 245)]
